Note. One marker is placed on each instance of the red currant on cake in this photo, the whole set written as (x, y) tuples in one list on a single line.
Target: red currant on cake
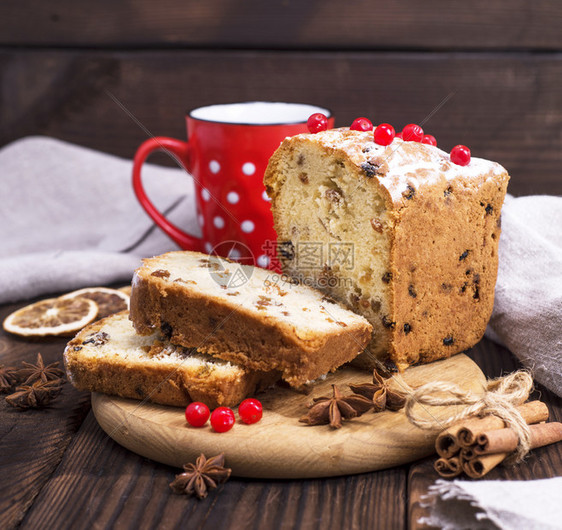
[(384, 134), (460, 155), (317, 122), (361, 124), (429, 139), (250, 411), (197, 414), (222, 419), (412, 133)]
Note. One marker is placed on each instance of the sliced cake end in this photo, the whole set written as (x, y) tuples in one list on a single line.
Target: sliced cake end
[(245, 314), (110, 357)]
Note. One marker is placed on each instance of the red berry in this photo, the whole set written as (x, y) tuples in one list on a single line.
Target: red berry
[(429, 139), (222, 419), (317, 122), (412, 133), (399, 135), (460, 155), (361, 124), (384, 134), (250, 411), (197, 414)]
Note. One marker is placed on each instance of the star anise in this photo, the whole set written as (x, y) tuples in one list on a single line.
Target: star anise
[(332, 410), (8, 378), (201, 477), (383, 397), (38, 394), (39, 372)]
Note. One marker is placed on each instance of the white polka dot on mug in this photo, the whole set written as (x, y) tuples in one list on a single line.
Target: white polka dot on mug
[(249, 168), (214, 167), (263, 261), (247, 226), (232, 197)]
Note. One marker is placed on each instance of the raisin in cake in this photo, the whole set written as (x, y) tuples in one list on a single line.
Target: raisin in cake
[(246, 315), (400, 234), (110, 357)]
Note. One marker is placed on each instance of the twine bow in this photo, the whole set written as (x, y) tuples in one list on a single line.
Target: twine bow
[(500, 399)]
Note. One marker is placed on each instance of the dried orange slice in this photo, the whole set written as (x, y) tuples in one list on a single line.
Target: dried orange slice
[(51, 317), (109, 301)]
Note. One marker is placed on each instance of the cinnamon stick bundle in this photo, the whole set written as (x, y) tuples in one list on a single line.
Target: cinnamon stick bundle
[(505, 440), (532, 412), (448, 467), (478, 467), (494, 447), (478, 445), (464, 434)]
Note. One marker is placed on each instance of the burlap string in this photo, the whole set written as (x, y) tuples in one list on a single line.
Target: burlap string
[(500, 399)]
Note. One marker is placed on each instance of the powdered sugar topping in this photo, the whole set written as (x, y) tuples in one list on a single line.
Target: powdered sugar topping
[(402, 166)]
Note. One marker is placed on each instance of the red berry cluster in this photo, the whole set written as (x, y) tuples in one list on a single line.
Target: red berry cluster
[(414, 133), (384, 134), (222, 418)]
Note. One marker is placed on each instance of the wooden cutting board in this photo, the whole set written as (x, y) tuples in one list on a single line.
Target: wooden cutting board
[(279, 446)]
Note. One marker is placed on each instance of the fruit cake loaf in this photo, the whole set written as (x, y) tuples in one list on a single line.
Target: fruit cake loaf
[(400, 234), (110, 357), (245, 314)]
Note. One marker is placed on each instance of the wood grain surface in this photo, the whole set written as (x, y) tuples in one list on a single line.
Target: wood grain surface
[(328, 24), (505, 107), (32, 442), (281, 447), (99, 484), (63, 471)]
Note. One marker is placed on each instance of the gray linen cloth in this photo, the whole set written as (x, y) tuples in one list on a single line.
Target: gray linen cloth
[(527, 315), (493, 504), (69, 219)]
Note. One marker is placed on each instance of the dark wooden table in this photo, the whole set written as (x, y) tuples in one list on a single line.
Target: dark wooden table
[(58, 469)]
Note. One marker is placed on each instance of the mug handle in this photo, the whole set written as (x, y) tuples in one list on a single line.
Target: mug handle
[(180, 150)]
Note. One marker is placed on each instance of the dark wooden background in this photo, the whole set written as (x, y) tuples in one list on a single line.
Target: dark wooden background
[(105, 74)]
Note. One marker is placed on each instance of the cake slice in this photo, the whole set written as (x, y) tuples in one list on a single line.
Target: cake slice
[(400, 234), (110, 357), (246, 315)]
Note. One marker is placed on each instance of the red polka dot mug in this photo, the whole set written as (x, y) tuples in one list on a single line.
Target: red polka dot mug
[(227, 151)]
